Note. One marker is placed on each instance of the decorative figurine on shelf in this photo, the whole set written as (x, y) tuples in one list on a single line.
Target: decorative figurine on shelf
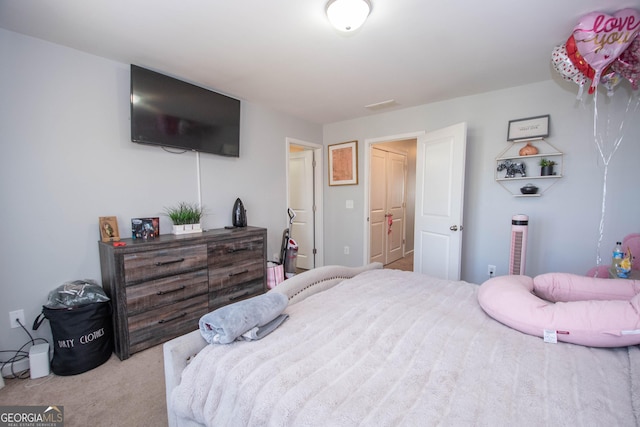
[(528, 150), (512, 168)]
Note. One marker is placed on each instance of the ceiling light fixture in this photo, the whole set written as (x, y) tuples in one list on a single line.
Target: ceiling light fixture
[(348, 15)]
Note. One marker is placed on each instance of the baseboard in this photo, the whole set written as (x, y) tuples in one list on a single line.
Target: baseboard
[(19, 366)]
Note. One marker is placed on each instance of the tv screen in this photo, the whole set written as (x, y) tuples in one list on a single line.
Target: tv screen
[(172, 113)]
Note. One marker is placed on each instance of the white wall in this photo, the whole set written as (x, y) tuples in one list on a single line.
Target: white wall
[(67, 158), (564, 221)]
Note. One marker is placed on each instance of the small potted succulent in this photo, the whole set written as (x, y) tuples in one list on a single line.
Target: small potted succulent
[(185, 217), (546, 167)]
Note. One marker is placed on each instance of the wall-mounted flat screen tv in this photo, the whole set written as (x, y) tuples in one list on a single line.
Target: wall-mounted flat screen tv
[(172, 113)]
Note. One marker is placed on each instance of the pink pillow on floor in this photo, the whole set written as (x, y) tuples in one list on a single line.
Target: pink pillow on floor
[(597, 312)]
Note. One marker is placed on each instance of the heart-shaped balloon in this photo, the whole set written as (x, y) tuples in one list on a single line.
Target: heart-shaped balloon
[(578, 60), (565, 67), (628, 63), (601, 38)]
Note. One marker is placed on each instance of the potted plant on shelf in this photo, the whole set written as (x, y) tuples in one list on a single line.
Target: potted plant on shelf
[(546, 167), (185, 217)]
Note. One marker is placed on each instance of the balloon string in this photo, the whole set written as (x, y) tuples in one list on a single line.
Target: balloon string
[(604, 204), (604, 185), (606, 158)]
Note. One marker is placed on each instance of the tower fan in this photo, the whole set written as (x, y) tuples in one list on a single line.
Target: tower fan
[(519, 226)]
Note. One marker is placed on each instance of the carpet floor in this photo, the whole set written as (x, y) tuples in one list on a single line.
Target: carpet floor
[(117, 393), (404, 264)]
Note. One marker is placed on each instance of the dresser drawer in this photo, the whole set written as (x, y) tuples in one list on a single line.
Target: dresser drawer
[(236, 293), (236, 274), (161, 324), (167, 290), (224, 254), (148, 265)]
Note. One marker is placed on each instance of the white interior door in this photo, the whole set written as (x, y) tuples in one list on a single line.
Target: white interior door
[(396, 193), (387, 205), (377, 206), (439, 202), (301, 197)]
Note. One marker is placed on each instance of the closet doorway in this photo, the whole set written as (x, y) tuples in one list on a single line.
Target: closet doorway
[(391, 200), (304, 197)]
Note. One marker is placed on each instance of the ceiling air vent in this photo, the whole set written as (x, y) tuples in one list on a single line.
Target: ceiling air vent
[(381, 105)]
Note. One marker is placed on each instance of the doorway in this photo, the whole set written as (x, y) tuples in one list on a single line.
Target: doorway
[(437, 199), (389, 238), (304, 197), (387, 204)]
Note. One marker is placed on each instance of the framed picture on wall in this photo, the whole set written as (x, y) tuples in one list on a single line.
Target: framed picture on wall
[(109, 229), (343, 163), (529, 128)]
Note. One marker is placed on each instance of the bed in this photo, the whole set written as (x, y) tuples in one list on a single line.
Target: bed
[(371, 346)]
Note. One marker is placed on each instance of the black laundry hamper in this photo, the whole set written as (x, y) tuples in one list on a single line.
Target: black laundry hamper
[(82, 336)]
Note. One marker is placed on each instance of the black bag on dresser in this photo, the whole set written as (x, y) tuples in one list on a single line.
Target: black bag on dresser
[(82, 334)]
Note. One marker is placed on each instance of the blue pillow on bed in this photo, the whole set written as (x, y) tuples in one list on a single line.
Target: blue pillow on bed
[(227, 323)]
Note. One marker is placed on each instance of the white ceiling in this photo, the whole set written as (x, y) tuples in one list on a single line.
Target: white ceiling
[(283, 53)]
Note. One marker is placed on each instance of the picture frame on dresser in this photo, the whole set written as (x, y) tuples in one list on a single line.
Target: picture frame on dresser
[(109, 229), (145, 228)]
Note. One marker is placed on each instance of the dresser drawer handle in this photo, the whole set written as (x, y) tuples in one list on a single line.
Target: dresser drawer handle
[(172, 290), (239, 296), (171, 319), (174, 261), (232, 250), (238, 273)]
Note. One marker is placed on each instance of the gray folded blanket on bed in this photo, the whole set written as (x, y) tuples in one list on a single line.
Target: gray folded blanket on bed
[(227, 323), (260, 332)]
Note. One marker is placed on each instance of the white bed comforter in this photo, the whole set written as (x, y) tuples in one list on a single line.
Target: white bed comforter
[(397, 348)]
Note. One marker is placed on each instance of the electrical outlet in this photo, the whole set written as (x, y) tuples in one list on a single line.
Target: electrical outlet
[(346, 250), (491, 270), (14, 316)]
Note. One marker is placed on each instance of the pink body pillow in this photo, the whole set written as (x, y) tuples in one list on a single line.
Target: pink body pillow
[(582, 310)]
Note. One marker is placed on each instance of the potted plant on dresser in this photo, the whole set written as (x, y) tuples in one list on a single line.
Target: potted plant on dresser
[(185, 217), (546, 167)]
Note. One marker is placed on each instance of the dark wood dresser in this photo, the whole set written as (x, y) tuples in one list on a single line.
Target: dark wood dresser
[(160, 287)]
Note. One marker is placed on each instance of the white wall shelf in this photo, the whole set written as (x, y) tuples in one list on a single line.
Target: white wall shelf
[(532, 167)]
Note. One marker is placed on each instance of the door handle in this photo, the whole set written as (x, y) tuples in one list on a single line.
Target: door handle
[(453, 228)]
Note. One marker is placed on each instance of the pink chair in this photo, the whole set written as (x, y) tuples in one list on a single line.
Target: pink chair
[(631, 241)]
